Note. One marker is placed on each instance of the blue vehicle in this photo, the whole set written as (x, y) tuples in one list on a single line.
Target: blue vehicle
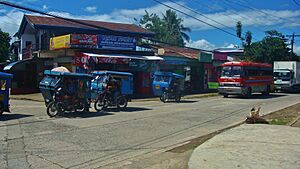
[(104, 96), (5, 83), (168, 86), (66, 92)]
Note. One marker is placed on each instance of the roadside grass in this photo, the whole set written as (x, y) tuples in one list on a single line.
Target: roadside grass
[(286, 116), (279, 122)]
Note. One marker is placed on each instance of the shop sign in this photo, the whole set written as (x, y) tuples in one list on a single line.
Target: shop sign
[(86, 61), (60, 42), (116, 42), (83, 41), (205, 57), (220, 56)]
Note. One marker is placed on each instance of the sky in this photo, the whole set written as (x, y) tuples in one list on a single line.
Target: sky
[(256, 16)]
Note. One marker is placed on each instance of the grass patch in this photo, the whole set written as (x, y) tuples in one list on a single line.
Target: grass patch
[(279, 122)]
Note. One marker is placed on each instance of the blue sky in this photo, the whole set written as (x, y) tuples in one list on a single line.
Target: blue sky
[(256, 16)]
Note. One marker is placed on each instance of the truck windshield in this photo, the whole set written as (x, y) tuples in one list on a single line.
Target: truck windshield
[(232, 71), (282, 75)]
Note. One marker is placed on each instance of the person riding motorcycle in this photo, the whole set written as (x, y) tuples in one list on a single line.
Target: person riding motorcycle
[(113, 88)]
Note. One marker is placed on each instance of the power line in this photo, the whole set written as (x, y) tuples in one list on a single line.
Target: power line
[(251, 6), (73, 20), (244, 16), (47, 14), (201, 14), (195, 18), (297, 3)]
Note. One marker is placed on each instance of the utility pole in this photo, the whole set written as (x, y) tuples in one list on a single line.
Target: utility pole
[(292, 40)]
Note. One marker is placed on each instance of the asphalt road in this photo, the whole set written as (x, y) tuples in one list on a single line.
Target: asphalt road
[(30, 139)]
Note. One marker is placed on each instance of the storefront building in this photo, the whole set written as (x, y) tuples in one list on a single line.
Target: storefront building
[(82, 48)]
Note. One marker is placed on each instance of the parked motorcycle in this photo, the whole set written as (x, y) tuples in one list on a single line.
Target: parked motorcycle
[(106, 99), (170, 94), (61, 104)]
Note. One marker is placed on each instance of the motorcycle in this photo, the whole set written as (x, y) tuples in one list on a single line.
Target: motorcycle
[(169, 94), (106, 99), (61, 104)]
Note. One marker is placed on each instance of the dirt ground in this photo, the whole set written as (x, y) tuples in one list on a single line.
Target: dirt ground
[(288, 116)]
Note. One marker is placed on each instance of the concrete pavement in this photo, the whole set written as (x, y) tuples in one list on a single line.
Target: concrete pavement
[(250, 146), (39, 98)]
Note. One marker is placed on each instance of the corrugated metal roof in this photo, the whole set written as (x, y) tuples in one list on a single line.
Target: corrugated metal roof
[(57, 22)]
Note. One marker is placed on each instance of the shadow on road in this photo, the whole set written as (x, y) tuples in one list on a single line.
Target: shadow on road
[(258, 96), (109, 111), (90, 114), (127, 109), (7, 117)]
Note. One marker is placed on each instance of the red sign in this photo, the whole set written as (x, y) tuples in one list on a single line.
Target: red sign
[(84, 60), (220, 56), (84, 41)]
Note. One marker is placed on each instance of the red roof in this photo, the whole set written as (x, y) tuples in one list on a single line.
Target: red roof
[(179, 51), (247, 64), (50, 21)]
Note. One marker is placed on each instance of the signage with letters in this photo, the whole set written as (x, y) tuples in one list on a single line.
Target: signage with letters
[(116, 42)]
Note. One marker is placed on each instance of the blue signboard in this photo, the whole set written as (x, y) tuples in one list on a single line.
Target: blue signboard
[(116, 42)]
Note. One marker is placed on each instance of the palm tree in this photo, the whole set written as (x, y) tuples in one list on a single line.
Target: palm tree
[(176, 31)]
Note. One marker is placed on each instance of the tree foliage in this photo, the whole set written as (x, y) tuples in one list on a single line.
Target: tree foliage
[(4, 45), (271, 48), (248, 38), (168, 29), (239, 29)]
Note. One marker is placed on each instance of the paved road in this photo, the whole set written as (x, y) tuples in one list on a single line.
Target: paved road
[(30, 139)]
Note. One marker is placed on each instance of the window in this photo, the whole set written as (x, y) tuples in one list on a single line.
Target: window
[(232, 71)]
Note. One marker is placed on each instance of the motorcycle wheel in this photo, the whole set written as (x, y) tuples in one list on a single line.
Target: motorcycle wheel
[(1, 110), (122, 102), (99, 104), (52, 109), (164, 97)]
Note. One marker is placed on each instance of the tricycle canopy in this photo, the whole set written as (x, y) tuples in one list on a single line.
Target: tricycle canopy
[(5, 84), (54, 80), (101, 78), (165, 80)]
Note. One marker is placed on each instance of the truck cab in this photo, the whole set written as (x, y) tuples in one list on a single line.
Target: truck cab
[(283, 79)]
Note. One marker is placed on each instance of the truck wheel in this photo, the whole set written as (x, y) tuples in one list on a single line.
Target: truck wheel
[(225, 95)]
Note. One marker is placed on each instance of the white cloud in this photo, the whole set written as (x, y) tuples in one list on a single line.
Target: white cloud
[(2, 11), (91, 9), (226, 17), (297, 50), (45, 7), (11, 21), (201, 44)]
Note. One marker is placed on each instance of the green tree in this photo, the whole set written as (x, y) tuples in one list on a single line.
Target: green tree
[(239, 29), (4, 46), (168, 29), (271, 48), (248, 38)]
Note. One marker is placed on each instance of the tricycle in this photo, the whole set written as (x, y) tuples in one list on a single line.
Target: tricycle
[(5, 83), (168, 85), (66, 92), (111, 89)]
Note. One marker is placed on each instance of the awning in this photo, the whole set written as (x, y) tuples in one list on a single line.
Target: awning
[(153, 58), (11, 65)]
